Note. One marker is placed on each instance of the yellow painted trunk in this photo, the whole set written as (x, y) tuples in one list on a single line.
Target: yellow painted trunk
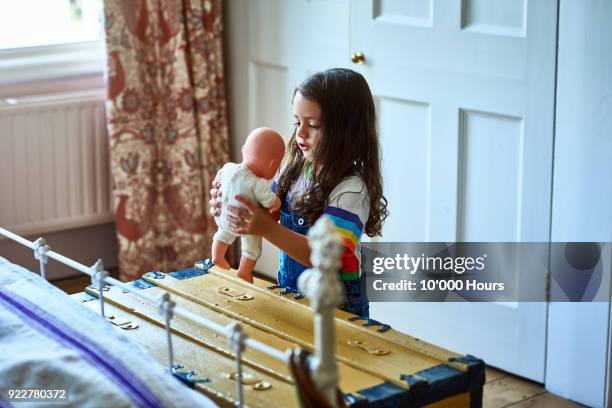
[(378, 366)]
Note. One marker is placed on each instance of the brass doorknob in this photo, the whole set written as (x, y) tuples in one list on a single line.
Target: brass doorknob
[(358, 58)]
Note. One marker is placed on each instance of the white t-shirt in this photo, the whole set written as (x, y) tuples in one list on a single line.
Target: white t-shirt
[(349, 208)]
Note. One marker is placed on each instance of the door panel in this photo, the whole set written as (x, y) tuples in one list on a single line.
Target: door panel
[(489, 179), (394, 114)]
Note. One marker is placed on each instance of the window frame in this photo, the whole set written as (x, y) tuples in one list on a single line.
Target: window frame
[(55, 61)]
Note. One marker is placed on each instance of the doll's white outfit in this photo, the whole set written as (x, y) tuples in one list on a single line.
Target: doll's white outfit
[(238, 179)]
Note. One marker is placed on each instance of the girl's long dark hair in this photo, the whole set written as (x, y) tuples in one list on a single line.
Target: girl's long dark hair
[(348, 145)]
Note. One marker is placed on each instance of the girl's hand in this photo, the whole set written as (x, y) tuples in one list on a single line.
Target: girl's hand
[(215, 199), (251, 219)]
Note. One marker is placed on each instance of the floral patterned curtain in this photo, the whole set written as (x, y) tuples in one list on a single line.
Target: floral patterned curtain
[(166, 114)]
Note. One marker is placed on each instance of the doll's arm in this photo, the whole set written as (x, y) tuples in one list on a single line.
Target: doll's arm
[(275, 215), (265, 196), (275, 209), (276, 206)]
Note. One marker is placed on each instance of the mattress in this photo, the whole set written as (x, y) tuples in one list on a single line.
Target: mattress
[(50, 341)]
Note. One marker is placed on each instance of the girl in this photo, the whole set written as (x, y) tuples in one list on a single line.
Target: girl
[(332, 167)]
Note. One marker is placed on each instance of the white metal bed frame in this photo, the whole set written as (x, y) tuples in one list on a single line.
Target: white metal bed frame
[(320, 284)]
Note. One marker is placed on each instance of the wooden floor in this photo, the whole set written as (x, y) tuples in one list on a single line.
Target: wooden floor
[(79, 283), (507, 390), (501, 389)]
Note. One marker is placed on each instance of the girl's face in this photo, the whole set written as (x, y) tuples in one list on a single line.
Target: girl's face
[(307, 124)]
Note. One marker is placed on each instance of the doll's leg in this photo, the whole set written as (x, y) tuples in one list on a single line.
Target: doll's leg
[(218, 254), (251, 251), (245, 270), (221, 241)]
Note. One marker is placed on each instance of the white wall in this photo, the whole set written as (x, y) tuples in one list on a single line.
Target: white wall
[(85, 244), (582, 192)]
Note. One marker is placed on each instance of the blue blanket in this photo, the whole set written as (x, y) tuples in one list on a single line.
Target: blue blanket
[(50, 341)]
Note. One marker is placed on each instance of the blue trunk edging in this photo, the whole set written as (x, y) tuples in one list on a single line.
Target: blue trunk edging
[(189, 273), (83, 297), (141, 284), (287, 291), (371, 322), (205, 264), (114, 369), (383, 395), (186, 377), (427, 386), (355, 401), (181, 274)]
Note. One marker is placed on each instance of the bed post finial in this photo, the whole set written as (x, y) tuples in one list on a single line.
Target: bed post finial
[(321, 284), (40, 252), (98, 276)]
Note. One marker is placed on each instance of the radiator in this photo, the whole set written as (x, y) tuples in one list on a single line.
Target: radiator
[(54, 162)]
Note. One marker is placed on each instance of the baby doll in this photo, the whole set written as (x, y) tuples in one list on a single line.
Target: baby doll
[(262, 154)]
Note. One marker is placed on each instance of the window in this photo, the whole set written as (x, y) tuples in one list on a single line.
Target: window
[(44, 39), (27, 23)]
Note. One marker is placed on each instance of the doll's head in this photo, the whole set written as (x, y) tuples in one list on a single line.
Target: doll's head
[(263, 152)]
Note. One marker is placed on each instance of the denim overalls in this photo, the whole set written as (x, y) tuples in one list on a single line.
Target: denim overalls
[(355, 302)]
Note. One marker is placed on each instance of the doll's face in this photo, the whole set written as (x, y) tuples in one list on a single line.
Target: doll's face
[(307, 124)]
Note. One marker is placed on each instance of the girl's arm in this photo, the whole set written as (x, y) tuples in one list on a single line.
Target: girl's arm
[(253, 219), (294, 244)]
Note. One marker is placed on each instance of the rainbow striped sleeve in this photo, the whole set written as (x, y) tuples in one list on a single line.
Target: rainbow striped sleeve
[(350, 227)]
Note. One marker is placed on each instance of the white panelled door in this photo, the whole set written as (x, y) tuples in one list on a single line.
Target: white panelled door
[(465, 94)]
